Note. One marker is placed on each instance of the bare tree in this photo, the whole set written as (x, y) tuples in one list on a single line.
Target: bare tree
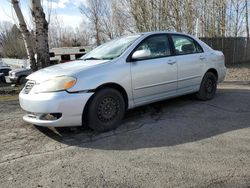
[(25, 33), (215, 18), (83, 34), (41, 34), (246, 17), (237, 9), (93, 10), (107, 25), (120, 18), (55, 31), (114, 20), (140, 12), (236, 17), (11, 41)]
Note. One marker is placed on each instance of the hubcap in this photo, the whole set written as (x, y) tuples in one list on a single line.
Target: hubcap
[(107, 109), (209, 85)]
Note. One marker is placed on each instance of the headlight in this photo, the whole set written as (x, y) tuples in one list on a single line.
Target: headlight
[(59, 83), (13, 74)]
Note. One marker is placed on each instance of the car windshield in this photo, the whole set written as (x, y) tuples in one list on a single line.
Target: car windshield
[(111, 49)]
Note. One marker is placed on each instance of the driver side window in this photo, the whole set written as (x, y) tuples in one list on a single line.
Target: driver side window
[(157, 45)]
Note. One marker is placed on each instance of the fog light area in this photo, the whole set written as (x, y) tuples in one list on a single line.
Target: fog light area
[(52, 116)]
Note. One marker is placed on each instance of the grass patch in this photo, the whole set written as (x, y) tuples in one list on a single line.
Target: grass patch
[(9, 90), (8, 97)]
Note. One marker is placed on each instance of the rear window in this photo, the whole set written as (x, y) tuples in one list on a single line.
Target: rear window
[(185, 45)]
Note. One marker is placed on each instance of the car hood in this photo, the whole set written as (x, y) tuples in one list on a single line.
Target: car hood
[(4, 65), (20, 70), (70, 69)]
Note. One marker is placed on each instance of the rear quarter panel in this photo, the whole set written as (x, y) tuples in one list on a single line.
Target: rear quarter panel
[(216, 60)]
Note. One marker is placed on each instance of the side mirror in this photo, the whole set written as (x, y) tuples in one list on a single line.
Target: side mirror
[(141, 54)]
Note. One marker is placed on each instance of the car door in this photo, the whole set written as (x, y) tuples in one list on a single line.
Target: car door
[(190, 60), (154, 76)]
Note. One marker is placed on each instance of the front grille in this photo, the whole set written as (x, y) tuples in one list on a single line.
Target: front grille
[(29, 85)]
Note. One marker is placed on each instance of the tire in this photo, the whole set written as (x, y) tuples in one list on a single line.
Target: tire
[(22, 80), (2, 79), (105, 110), (208, 87)]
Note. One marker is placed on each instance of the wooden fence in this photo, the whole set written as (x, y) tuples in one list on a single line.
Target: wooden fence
[(236, 50)]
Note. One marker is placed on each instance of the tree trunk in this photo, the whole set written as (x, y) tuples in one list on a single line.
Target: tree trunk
[(25, 34), (97, 34), (41, 34), (223, 14), (247, 23), (247, 30), (237, 19)]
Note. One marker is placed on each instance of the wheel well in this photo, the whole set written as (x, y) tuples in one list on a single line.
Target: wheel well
[(109, 85), (118, 88), (214, 71), (20, 77)]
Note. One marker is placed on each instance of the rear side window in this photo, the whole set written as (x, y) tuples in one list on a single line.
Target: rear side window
[(158, 46), (185, 45)]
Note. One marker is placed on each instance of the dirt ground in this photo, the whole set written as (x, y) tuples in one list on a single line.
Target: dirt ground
[(175, 143), (238, 72)]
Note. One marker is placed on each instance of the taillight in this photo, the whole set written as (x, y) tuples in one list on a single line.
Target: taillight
[(222, 57)]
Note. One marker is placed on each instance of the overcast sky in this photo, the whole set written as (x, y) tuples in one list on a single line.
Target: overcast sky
[(66, 10)]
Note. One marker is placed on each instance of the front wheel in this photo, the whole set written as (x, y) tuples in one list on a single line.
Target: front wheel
[(106, 110), (22, 80), (2, 79), (208, 87)]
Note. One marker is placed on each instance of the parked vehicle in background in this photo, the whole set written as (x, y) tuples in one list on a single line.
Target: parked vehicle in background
[(57, 55), (122, 74), (18, 76), (4, 68), (66, 54)]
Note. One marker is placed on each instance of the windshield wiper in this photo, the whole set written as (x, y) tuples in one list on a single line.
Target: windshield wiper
[(92, 58)]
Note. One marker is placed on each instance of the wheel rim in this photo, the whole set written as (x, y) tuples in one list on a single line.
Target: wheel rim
[(108, 109), (209, 85)]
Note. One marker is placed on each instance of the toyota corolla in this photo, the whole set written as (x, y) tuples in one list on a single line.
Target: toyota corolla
[(119, 75)]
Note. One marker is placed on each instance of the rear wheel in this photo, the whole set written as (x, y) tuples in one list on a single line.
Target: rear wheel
[(106, 110), (208, 87)]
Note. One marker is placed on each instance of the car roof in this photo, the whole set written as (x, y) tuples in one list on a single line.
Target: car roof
[(164, 32), (204, 45)]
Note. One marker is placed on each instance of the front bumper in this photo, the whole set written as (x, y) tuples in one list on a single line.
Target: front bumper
[(13, 79), (70, 106)]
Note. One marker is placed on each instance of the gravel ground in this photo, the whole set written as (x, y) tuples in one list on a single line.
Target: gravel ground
[(175, 143), (238, 73)]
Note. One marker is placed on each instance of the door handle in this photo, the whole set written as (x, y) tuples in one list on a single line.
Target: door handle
[(202, 58), (171, 62)]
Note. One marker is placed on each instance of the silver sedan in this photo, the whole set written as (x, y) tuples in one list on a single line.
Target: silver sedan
[(122, 74)]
